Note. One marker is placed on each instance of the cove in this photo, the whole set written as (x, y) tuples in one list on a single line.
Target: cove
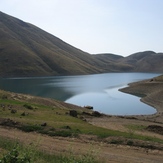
[(99, 91)]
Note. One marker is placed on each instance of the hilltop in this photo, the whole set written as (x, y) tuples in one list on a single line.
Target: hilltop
[(26, 50)]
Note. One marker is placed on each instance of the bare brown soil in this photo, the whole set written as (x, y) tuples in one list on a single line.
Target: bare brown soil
[(103, 151), (111, 153)]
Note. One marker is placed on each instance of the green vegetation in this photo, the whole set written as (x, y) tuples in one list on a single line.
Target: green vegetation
[(28, 106), (26, 50), (136, 127), (34, 52), (14, 156), (15, 152), (54, 119)]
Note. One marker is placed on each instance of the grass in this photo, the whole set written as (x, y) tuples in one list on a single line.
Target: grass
[(30, 116), (31, 153), (56, 120), (159, 78), (48, 55), (136, 127), (59, 123)]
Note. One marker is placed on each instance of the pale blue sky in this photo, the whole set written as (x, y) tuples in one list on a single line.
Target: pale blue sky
[(96, 26)]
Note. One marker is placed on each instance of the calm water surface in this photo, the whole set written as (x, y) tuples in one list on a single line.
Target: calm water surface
[(99, 91)]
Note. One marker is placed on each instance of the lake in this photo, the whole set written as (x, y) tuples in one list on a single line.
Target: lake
[(98, 90)]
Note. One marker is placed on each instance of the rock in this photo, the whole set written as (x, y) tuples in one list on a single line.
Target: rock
[(83, 118), (88, 107), (23, 114), (8, 122), (73, 113), (96, 114), (67, 127), (156, 129), (86, 113), (44, 124), (13, 111)]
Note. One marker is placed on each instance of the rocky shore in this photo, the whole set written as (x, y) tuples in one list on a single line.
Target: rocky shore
[(151, 93)]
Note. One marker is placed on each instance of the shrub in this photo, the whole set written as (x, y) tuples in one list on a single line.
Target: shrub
[(116, 141), (14, 156), (31, 128), (4, 97), (27, 106), (62, 133), (130, 142)]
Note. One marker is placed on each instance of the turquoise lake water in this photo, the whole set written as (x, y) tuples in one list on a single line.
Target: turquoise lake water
[(99, 91)]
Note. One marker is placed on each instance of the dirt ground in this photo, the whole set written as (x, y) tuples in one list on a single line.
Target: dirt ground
[(110, 153), (106, 152)]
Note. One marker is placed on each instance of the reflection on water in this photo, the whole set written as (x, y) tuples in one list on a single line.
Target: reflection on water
[(112, 102), (99, 91)]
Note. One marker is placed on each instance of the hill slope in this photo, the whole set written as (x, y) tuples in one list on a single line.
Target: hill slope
[(147, 61), (26, 50), (111, 62)]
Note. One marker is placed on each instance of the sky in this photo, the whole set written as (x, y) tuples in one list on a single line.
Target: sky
[(121, 27)]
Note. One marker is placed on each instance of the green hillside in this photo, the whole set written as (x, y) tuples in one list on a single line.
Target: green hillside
[(147, 61), (26, 50)]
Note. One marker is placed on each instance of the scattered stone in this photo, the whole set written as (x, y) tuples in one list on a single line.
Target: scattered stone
[(121, 116), (156, 129), (9, 107), (44, 124), (4, 96), (13, 111), (130, 117), (96, 114), (88, 107), (73, 113), (82, 118), (3, 107), (67, 127), (8, 122), (23, 114), (86, 113)]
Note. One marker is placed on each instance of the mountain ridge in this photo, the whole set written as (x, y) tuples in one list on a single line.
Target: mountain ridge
[(40, 45), (26, 50)]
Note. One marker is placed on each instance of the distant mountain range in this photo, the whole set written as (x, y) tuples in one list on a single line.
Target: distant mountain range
[(26, 50)]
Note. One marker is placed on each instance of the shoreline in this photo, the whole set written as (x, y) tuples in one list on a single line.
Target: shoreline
[(152, 94), (112, 148)]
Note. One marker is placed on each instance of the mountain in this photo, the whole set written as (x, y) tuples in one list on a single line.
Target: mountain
[(26, 50), (111, 62), (147, 61)]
